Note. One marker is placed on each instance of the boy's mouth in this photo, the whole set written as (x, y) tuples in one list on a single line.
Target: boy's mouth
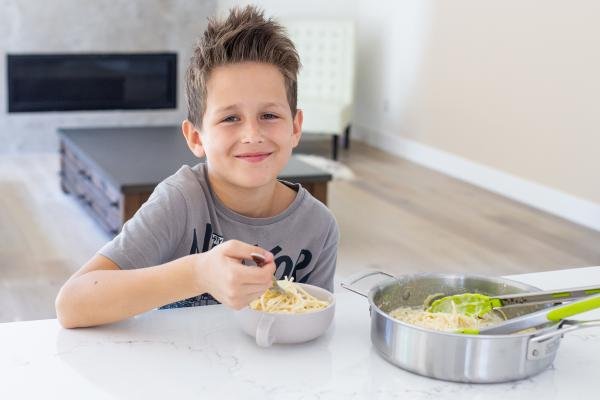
[(253, 157)]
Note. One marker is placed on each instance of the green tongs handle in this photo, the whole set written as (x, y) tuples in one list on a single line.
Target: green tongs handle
[(511, 300), (541, 317)]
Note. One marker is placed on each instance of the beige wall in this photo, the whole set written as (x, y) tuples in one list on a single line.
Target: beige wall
[(513, 84)]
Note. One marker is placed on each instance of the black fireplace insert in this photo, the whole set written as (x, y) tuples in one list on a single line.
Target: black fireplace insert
[(69, 82)]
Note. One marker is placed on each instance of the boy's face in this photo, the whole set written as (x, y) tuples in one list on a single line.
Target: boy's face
[(248, 131)]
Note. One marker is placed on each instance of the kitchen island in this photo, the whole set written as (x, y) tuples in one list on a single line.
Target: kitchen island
[(201, 352)]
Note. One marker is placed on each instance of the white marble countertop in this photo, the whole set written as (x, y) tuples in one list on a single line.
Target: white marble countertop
[(200, 352)]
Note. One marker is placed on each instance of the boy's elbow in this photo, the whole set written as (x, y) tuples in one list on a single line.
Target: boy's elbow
[(66, 323), (64, 314)]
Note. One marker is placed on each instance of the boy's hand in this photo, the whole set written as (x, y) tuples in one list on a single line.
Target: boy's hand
[(221, 273)]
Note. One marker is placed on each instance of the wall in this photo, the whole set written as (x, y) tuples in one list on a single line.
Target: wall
[(93, 26), (500, 94)]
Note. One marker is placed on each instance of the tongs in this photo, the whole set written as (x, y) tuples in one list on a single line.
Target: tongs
[(542, 317), (475, 304)]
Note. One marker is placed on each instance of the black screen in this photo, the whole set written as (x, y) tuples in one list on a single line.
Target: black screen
[(63, 82)]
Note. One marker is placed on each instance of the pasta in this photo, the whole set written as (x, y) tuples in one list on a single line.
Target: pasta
[(295, 300), (441, 321)]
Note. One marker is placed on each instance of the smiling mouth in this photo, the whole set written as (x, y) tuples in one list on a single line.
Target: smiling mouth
[(253, 157)]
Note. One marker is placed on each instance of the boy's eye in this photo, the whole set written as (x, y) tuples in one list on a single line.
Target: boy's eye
[(231, 118), (270, 116)]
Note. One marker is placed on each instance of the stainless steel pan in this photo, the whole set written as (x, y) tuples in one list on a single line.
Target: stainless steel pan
[(451, 356)]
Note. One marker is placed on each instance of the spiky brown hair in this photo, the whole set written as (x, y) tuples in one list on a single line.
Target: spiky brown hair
[(245, 35)]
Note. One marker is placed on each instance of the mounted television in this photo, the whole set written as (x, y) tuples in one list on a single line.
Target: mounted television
[(70, 82)]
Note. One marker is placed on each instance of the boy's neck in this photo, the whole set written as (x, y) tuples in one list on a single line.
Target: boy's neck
[(266, 201)]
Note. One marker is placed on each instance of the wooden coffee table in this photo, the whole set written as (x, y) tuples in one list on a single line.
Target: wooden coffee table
[(113, 171)]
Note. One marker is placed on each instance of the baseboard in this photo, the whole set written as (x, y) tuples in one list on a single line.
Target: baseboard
[(569, 207)]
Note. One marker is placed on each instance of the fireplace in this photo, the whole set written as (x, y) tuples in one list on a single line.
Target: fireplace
[(70, 82)]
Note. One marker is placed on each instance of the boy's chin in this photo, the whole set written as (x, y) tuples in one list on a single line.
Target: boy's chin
[(251, 181)]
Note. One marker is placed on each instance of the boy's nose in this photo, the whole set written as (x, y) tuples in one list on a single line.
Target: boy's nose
[(252, 139), (252, 134)]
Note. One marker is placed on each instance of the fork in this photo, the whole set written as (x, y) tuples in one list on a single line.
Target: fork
[(259, 259)]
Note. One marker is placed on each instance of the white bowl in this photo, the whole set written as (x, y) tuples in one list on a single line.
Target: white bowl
[(268, 328)]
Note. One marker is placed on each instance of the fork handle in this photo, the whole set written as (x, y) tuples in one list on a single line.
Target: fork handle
[(259, 260)]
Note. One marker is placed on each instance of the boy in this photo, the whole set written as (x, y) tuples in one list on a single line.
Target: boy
[(190, 242)]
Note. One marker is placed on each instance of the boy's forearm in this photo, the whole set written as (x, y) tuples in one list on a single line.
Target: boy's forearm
[(104, 296)]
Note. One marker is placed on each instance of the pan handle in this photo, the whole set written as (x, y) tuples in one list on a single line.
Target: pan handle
[(360, 277), (546, 344)]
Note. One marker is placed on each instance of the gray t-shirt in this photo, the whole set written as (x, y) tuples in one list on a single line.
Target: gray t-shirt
[(183, 216)]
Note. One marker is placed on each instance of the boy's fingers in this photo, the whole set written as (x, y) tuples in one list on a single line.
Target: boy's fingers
[(243, 251), (257, 275)]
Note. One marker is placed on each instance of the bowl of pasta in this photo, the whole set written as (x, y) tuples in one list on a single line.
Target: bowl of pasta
[(302, 313)]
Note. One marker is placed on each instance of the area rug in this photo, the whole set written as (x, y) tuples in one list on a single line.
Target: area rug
[(338, 170)]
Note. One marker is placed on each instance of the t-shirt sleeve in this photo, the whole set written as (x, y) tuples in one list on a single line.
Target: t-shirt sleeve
[(153, 234), (324, 270)]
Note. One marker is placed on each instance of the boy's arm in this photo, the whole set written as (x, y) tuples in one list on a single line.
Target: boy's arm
[(100, 292)]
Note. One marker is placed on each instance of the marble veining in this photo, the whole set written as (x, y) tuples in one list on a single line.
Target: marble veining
[(201, 352)]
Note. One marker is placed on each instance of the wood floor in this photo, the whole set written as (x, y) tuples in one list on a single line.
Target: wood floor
[(404, 218), (395, 216), (44, 236)]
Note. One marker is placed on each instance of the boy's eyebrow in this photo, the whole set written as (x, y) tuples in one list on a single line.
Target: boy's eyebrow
[(270, 104), (262, 105), (226, 108)]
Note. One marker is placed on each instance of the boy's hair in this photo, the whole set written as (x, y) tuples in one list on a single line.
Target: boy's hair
[(246, 35)]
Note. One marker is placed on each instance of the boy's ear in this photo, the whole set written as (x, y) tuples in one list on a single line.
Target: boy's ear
[(193, 138), (297, 127)]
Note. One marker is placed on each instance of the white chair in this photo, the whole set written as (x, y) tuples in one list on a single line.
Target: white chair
[(326, 79)]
